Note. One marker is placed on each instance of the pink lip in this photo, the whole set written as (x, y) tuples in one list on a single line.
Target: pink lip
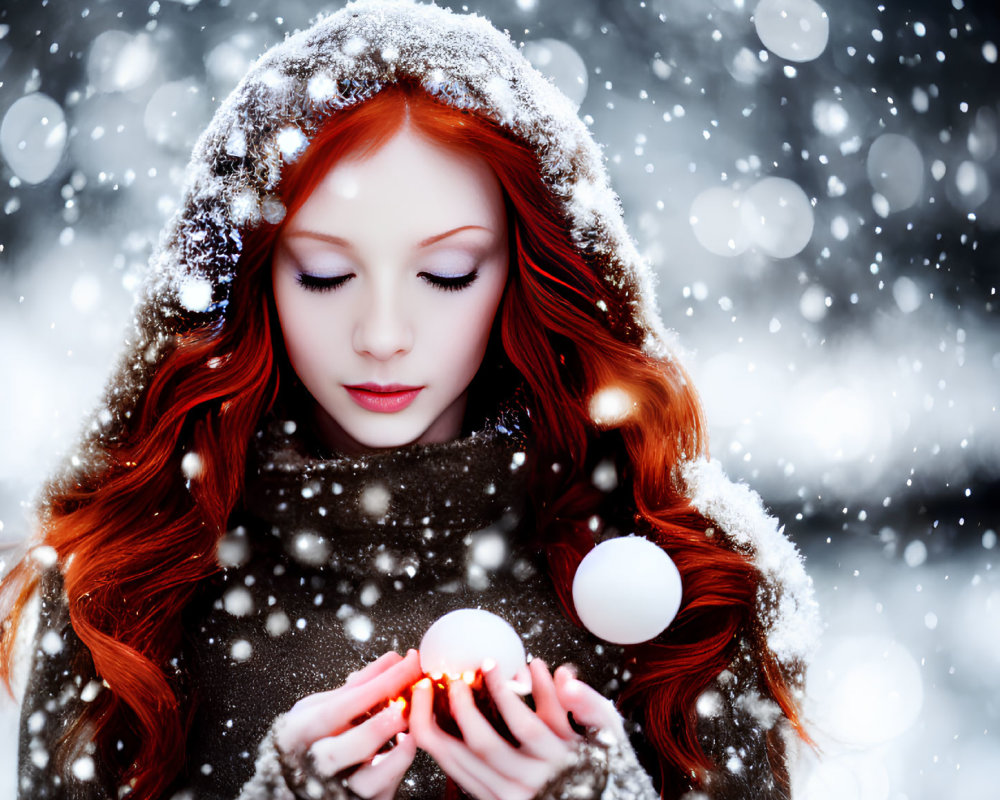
[(384, 399)]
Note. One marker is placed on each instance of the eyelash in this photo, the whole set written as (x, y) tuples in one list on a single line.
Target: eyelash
[(315, 283)]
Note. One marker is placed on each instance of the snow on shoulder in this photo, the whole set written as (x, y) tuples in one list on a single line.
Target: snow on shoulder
[(785, 602)]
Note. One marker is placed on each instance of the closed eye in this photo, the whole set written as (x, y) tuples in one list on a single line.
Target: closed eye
[(450, 283), (316, 283)]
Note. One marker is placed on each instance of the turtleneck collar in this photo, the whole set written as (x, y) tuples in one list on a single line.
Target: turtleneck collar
[(465, 484)]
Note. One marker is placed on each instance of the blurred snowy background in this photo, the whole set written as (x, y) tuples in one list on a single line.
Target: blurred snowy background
[(817, 187)]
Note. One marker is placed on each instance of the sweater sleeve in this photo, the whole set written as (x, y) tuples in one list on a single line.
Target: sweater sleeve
[(289, 776), (603, 765)]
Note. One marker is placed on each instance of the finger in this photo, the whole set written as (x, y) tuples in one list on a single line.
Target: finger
[(385, 686), (588, 706), (356, 745), (479, 778), (381, 776), (482, 739), (447, 751), (535, 736), (333, 716), (547, 704), (377, 667)]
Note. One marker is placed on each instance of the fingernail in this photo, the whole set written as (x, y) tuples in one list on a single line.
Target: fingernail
[(522, 688), (395, 708), (488, 664), (401, 737)]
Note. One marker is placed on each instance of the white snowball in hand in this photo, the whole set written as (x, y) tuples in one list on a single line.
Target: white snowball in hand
[(627, 590), (462, 640)]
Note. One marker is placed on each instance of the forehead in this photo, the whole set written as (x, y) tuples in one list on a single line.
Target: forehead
[(411, 184)]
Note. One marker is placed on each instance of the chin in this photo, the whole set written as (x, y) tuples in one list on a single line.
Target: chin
[(388, 436)]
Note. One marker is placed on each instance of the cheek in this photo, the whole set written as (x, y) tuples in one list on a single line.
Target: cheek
[(309, 334), (460, 335)]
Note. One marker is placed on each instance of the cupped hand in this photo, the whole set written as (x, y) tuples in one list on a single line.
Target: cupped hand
[(325, 726), (485, 764)]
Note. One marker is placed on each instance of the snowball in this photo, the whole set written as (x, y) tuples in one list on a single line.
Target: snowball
[(460, 641), (627, 590)]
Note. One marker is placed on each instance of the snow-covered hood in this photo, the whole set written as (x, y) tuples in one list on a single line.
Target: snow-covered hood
[(342, 59), (268, 121)]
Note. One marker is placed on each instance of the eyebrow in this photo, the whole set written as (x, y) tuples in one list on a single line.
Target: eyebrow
[(337, 240)]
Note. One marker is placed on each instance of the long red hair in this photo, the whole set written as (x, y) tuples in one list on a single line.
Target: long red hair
[(134, 539)]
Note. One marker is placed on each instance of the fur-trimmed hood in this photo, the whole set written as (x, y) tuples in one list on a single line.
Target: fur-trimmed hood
[(268, 121)]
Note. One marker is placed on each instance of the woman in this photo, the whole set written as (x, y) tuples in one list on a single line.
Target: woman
[(397, 319)]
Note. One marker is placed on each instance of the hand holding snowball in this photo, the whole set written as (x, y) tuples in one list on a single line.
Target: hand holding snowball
[(483, 762), (323, 726)]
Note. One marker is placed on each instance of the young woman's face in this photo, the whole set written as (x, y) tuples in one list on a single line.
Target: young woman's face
[(387, 280)]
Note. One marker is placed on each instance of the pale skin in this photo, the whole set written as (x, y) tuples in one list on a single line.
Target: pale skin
[(388, 276)]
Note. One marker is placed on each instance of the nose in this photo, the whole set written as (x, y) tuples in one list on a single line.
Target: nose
[(382, 328)]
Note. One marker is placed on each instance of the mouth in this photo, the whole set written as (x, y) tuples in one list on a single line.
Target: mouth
[(383, 398)]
